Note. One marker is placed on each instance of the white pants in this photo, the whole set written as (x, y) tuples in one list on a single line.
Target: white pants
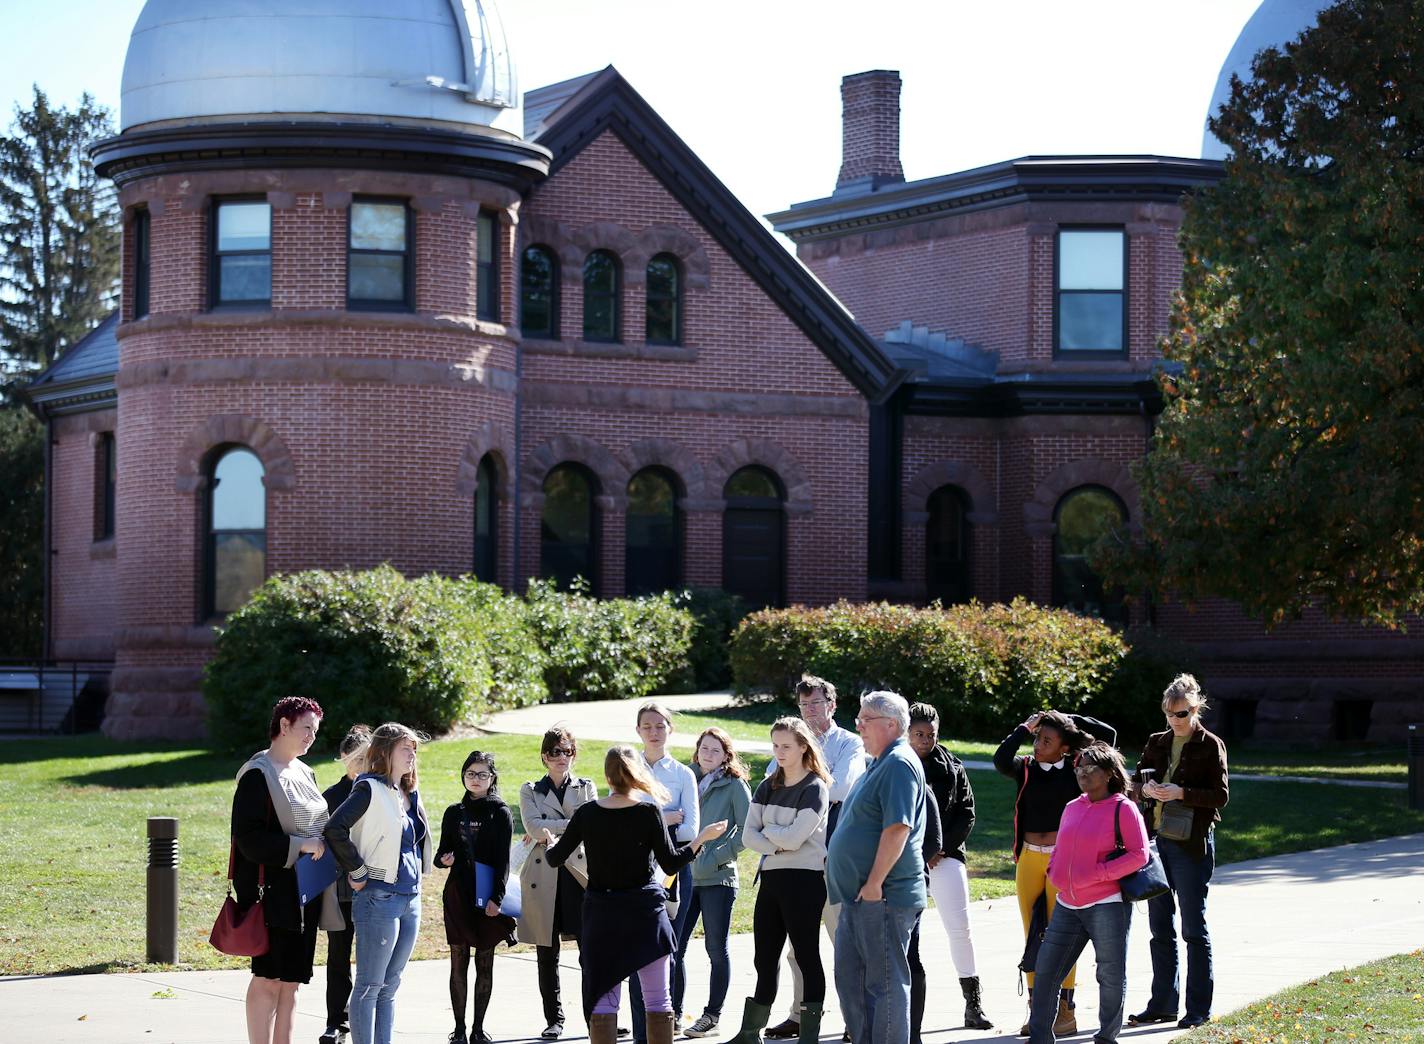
[(949, 885), (830, 917)]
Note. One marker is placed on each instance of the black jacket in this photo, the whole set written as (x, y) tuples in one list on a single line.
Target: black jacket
[(1201, 773), (954, 799), (477, 831), (261, 843), (334, 795)]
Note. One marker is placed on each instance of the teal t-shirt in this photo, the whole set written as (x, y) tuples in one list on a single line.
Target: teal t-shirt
[(891, 791)]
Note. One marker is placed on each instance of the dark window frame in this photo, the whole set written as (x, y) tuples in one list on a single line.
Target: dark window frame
[(208, 600), (965, 506), (679, 527), (676, 298), (1058, 293), (105, 486), (487, 306), (595, 525), (142, 229), (491, 566), (616, 297), (768, 504), (407, 301), (1057, 596), (215, 301), (551, 333)]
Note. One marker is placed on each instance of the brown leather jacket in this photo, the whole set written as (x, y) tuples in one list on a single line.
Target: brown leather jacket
[(1201, 773)]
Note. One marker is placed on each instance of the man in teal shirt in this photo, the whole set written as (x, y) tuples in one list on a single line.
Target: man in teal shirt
[(875, 869)]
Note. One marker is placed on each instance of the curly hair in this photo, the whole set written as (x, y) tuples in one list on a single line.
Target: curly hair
[(290, 708)]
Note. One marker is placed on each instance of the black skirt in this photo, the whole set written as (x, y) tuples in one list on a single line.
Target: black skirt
[(290, 952), (622, 932), (472, 928)]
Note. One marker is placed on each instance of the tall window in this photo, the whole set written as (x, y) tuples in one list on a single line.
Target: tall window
[(539, 293), (139, 228), (487, 259), (651, 557), (947, 546), (568, 545), (600, 296), (486, 522), (236, 552), (241, 265), (754, 538), (1085, 516), (378, 265), (664, 301), (105, 486), (1090, 313)]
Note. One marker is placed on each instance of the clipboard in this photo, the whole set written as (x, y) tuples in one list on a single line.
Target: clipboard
[(513, 904), (315, 876)]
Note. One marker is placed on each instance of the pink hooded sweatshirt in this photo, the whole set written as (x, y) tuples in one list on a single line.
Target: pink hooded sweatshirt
[(1085, 838)]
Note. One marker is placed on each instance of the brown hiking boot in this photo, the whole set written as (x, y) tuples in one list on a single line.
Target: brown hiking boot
[(1066, 1024)]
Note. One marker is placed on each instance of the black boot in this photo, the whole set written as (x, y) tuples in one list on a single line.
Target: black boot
[(974, 1017), (918, 989)]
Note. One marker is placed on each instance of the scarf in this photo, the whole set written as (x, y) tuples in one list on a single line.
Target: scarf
[(704, 783)]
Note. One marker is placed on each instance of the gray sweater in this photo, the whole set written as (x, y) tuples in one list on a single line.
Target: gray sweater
[(788, 824)]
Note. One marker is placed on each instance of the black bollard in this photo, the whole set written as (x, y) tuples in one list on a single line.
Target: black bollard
[(162, 890)]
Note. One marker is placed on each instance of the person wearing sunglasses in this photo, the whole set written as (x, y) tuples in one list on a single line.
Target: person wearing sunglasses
[(552, 897), (1182, 774)]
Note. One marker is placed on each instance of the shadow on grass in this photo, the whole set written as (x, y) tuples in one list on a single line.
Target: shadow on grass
[(195, 767)]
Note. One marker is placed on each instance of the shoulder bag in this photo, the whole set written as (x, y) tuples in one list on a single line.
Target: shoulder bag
[(239, 932), (1177, 821), (1141, 884)]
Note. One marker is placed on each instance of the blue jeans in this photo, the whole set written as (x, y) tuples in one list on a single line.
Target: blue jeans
[(713, 903), (386, 925), (1068, 933), (635, 989), (873, 970), (1189, 879)]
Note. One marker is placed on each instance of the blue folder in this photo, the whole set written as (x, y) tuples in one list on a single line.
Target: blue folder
[(315, 876), (512, 906)]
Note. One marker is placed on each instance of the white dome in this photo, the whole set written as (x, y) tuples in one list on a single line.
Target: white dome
[(436, 60), (1275, 22)]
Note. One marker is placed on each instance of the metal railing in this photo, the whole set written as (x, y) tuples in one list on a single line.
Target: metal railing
[(44, 695)]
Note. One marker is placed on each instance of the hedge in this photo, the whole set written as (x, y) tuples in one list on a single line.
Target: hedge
[(985, 667)]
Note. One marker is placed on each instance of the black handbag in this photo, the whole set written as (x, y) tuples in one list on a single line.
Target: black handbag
[(1141, 884)]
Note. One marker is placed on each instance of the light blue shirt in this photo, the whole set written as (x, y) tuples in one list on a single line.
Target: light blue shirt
[(681, 784), (845, 758)]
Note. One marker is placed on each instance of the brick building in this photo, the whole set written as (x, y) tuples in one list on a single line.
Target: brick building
[(370, 317)]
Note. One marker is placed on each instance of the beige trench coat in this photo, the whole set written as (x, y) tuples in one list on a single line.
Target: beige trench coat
[(541, 810)]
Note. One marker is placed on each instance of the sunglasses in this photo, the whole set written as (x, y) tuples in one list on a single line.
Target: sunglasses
[(562, 752), (1179, 715)]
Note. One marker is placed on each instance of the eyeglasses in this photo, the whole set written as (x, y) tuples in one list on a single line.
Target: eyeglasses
[(809, 704), (1179, 715), (861, 719), (562, 752), (1084, 770), (472, 774)]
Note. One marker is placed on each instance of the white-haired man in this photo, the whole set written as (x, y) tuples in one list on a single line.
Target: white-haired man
[(875, 869)]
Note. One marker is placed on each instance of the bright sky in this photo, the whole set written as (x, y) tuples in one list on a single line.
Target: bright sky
[(753, 86)]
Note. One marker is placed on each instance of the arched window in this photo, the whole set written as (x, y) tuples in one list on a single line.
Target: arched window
[(652, 556), (664, 301), (1084, 516), (947, 546), (486, 522), (568, 545), (236, 545), (539, 293), (754, 538), (600, 296)]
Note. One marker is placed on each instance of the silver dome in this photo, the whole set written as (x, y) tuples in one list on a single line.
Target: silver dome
[(1275, 22), (426, 60)]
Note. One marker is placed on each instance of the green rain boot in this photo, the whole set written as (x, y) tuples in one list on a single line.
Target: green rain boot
[(810, 1024), (754, 1020)]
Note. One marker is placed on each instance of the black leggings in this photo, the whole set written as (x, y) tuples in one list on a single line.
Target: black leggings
[(459, 983), (789, 904)]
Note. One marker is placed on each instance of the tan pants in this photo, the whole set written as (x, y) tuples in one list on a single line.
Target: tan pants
[(830, 917)]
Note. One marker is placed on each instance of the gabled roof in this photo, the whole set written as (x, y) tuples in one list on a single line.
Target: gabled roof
[(607, 102), (83, 377)]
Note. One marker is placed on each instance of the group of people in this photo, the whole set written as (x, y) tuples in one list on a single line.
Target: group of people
[(854, 830)]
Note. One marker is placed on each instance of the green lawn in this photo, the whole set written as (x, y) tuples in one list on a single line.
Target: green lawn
[(72, 843), (1379, 1001)]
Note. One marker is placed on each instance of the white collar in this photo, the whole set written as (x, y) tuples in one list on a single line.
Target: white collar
[(1056, 765)]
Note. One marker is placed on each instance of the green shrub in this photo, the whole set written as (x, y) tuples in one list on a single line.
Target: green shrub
[(1132, 699), (368, 646), (984, 667), (516, 660), (620, 648), (715, 615)]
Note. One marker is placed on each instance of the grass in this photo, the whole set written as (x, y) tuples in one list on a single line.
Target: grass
[(1378, 1001), (72, 846)]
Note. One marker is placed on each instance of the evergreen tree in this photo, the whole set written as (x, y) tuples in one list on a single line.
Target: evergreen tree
[(59, 232), (21, 532), (1288, 467)]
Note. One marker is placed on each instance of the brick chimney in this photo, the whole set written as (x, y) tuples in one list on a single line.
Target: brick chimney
[(870, 131)]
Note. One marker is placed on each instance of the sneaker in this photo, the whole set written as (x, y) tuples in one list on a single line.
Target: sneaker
[(788, 1030), (553, 1031), (332, 1035), (703, 1027)]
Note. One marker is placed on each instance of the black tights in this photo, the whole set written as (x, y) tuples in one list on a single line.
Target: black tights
[(789, 905), (459, 984)]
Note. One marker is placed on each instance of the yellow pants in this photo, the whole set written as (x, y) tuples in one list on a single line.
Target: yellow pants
[(1031, 881)]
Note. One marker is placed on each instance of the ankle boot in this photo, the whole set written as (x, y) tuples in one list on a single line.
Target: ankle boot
[(974, 1017), (919, 987), (810, 1024), (1066, 1024), (659, 1024), (1023, 1030), (754, 1020), (603, 1029)]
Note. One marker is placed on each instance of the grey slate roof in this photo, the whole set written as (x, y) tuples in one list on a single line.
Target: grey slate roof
[(543, 102), (83, 374)]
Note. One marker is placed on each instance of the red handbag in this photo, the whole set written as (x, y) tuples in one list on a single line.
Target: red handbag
[(239, 932)]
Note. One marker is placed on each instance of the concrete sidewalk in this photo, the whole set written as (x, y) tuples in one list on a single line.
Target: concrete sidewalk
[(1275, 922)]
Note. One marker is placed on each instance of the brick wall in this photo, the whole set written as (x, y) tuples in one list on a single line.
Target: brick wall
[(82, 568)]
